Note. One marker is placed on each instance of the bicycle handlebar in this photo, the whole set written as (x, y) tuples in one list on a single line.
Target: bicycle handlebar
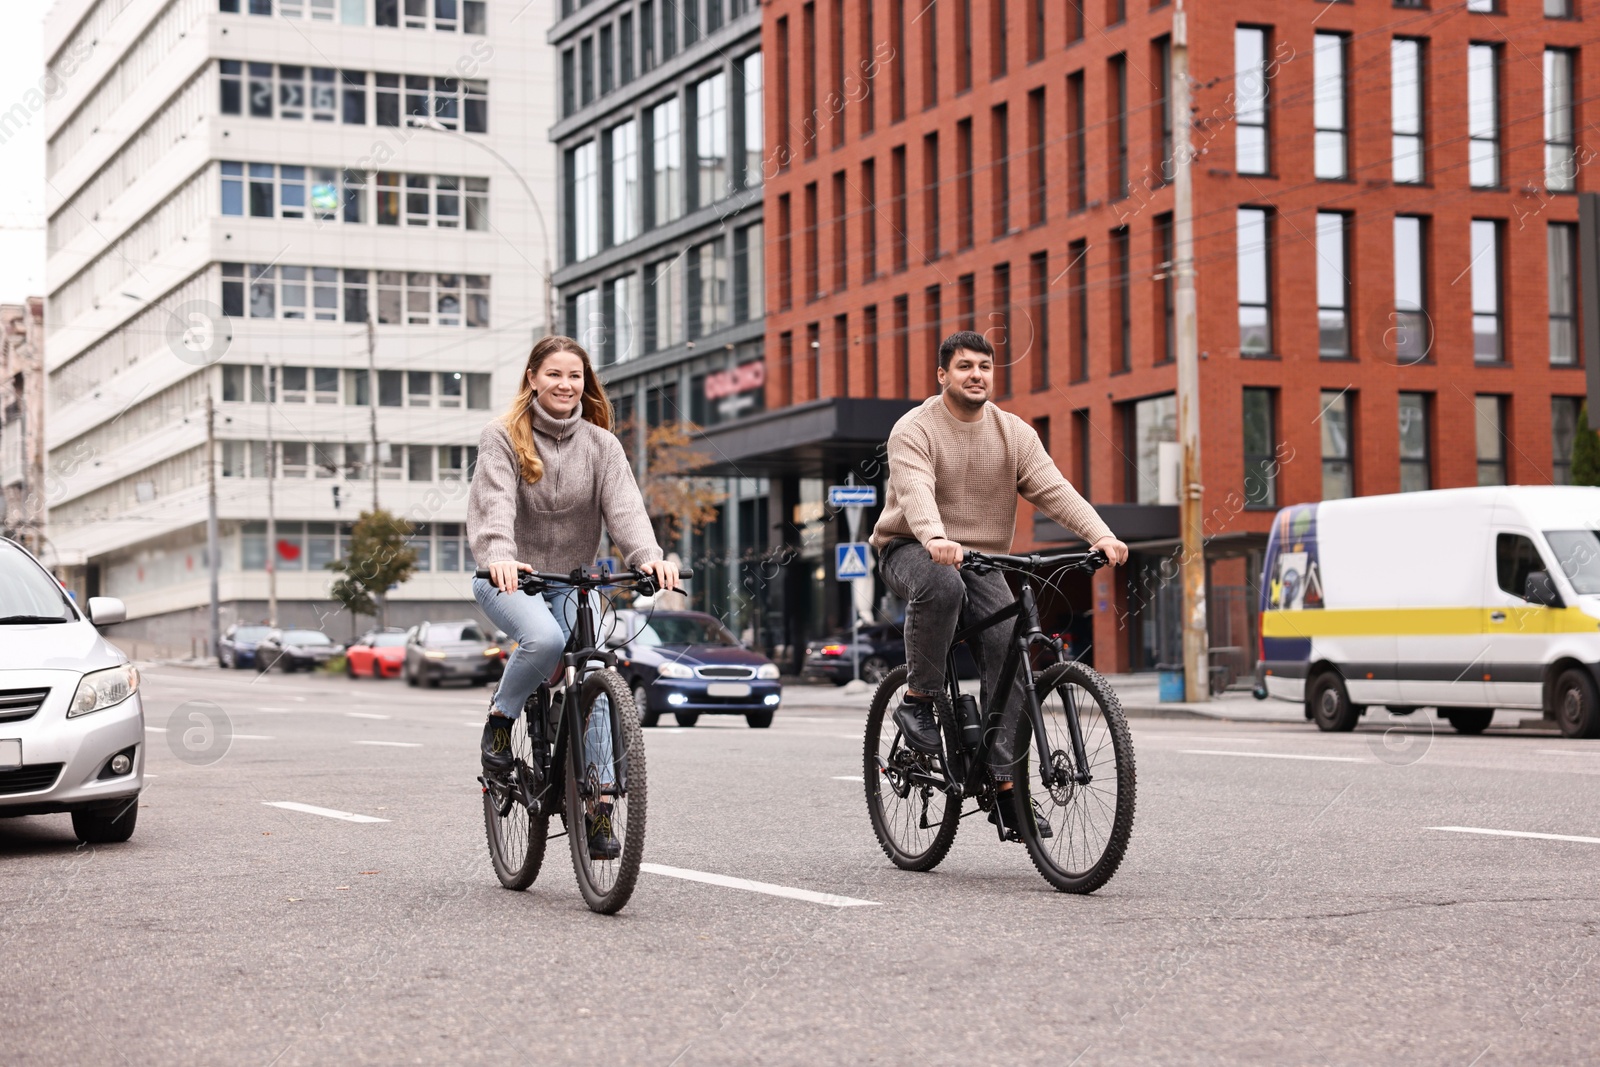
[(1091, 561), (584, 579)]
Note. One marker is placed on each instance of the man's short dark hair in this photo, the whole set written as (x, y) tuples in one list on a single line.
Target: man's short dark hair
[(964, 339)]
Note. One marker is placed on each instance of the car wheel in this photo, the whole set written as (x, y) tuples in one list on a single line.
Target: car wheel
[(1468, 720), (349, 667), (758, 720), (106, 826), (874, 669), (433, 681), (222, 660), (1330, 705), (1577, 711), (686, 718), (641, 701), (411, 679)]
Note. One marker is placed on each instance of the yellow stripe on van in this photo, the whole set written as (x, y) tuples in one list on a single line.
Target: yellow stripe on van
[(1418, 622)]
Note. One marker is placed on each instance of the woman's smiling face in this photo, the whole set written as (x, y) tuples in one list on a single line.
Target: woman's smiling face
[(558, 383)]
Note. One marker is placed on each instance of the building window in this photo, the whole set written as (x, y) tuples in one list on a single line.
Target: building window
[(785, 253), (868, 71), (902, 345), (1260, 449), (1560, 162), (964, 192), (327, 194), (1416, 452), (625, 48), (1039, 300), (1411, 337), (1328, 105), (1082, 432), (813, 281), (624, 317), (964, 45), (585, 201), (1558, 9), (1150, 424), (1078, 295), (624, 182), (709, 304), (1038, 176), (997, 328), (841, 215), (1161, 52), (666, 302), (1338, 471), (1000, 155), (1561, 239), (666, 161), (586, 71), (1486, 332), (930, 196), (1166, 302), (569, 82), (869, 345), (647, 36), (1483, 116), (930, 54), (897, 195), (1333, 286), (1486, 7), (1074, 21), (711, 139), (754, 135), (1250, 100), (933, 319), (808, 77), (272, 291), (999, 39), (1077, 165), (1117, 95), (749, 273), (1405, 88), (1564, 429), (588, 324), (1121, 300), (1255, 283), (869, 219), (1489, 423), (608, 74)]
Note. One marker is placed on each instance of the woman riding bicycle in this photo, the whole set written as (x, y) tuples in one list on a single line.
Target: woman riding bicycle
[(549, 472)]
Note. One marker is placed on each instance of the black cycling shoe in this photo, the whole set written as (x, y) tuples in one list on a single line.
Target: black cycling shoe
[(1041, 827), (496, 746), (1003, 816), (603, 843), (918, 725)]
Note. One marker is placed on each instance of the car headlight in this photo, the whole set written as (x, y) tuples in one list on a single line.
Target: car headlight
[(674, 670), (434, 655), (767, 671), (492, 650), (99, 690)]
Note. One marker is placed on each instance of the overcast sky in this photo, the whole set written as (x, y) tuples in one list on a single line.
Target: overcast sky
[(22, 155)]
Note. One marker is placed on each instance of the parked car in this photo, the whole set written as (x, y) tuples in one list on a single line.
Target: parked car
[(458, 648), (882, 648), (688, 663), (237, 649), (295, 650), (71, 717), (379, 654)]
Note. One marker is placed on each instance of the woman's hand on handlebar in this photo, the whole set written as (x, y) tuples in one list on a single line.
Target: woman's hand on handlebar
[(665, 572), (1116, 552), (503, 575)]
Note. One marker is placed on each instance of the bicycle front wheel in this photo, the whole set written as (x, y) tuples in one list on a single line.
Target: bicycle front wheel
[(1089, 823), (914, 819), (606, 803), (516, 837)]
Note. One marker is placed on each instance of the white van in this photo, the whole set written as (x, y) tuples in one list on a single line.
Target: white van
[(1463, 600)]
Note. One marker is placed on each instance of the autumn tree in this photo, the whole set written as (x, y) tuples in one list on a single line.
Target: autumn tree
[(378, 557)]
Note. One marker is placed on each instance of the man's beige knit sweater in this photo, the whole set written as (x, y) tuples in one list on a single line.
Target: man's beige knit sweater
[(960, 480)]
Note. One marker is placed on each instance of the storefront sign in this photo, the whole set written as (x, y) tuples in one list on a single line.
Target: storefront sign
[(737, 390)]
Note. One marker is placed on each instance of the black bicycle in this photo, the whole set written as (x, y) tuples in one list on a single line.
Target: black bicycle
[(551, 773), (1074, 756)]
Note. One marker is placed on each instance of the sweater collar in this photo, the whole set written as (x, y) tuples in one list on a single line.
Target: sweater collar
[(550, 426), (958, 424)]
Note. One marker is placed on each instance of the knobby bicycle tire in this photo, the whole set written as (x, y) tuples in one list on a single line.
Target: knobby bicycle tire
[(606, 885), (908, 845), (516, 840), (1079, 858)]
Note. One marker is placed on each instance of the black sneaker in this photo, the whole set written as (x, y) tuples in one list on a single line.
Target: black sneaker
[(1002, 818), (603, 843), (1041, 826), (918, 725), (496, 746)]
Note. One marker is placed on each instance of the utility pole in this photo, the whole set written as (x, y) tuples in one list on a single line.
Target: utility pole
[(372, 403), (212, 549), (269, 386), (1196, 659)]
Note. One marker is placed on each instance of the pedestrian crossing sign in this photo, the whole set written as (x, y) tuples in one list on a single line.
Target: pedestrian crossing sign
[(850, 560)]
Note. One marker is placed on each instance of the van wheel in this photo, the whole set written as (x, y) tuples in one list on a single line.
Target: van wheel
[(1468, 720), (1577, 710), (1330, 705)]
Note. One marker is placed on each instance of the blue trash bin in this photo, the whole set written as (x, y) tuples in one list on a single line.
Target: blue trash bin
[(1169, 679)]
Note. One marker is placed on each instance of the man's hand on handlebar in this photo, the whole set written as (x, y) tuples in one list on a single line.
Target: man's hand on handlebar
[(943, 550), (503, 575), (1116, 552), (665, 572)]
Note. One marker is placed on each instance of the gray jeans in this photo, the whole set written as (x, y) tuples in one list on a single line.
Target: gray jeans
[(938, 598)]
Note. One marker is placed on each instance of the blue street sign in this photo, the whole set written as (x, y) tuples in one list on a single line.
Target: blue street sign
[(850, 560), (852, 496)]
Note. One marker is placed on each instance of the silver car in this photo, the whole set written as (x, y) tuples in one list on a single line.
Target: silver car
[(71, 719)]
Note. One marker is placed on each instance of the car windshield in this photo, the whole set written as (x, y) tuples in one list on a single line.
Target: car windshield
[(251, 633), (685, 630), (1578, 552), (386, 640), (445, 633), (27, 592), (305, 637)]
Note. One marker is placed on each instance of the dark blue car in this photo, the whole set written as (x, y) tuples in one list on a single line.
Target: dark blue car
[(687, 663), (237, 648)]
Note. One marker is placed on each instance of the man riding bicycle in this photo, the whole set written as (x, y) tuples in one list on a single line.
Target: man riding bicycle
[(956, 466)]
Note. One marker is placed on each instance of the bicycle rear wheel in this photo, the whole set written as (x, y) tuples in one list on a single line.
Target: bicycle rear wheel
[(606, 884), (915, 821), (1090, 823), (516, 837)]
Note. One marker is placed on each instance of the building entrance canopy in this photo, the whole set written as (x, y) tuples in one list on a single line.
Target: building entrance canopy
[(813, 440)]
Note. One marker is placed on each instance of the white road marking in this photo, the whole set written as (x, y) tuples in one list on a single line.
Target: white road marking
[(365, 715), (1269, 755), (251, 737), (848, 778), (156, 729), (329, 813), (393, 744), (272, 709), (1517, 833), (1566, 752), (746, 884)]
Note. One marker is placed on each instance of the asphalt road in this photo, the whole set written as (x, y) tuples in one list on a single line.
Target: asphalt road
[(1271, 909)]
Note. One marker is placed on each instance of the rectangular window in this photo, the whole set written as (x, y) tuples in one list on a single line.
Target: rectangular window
[(897, 68), (785, 253), (353, 102), (930, 54), (1558, 9), (869, 219), (812, 279), (841, 214), (836, 62), (1121, 301), (607, 68), (997, 327), (587, 324), (1410, 336), (647, 36), (1333, 286), (808, 78), (1082, 432), (1036, 24), (1338, 470), (967, 302), (1038, 176), (1561, 239), (1405, 88), (1250, 103), (933, 320), (585, 200), (1416, 446), (1255, 282), (1000, 153), (1260, 449), (229, 72), (1077, 164), (624, 340), (1489, 418), (869, 346), (666, 161), (965, 201), (754, 133), (1117, 119), (841, 356), (1078, 295), (1166, 303), (666, 303), (624, 182), (1146, 426), (750, 287), (1161, 53), (897, 194), (709, 305), (964, 45), (1487, 346), (1328, 105), (1560, 162), (1116, 12), (902, 346), (625, 48), (1564, 429), (1039, 301), (930, 196), (669, 29), (999, 39), (711, 140), (1483, 115), (867, 69), (1074, 21)]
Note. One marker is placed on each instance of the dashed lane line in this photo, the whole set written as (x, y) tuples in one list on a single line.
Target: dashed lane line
[(327, 813), (849, 778), (393, 744), (1517, 833), (365, 715), (1270, 755), (829, 899)]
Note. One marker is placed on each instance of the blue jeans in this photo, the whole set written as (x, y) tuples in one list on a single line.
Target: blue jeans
[(540, 626)]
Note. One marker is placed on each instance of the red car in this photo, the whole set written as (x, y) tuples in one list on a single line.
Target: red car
[(379, 654)]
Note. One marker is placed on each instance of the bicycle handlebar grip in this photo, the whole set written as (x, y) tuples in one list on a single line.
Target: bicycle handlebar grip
[(1097, 559), (481, 572)]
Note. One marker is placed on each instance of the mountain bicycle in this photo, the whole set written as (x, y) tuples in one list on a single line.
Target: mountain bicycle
[(550, 774), (1074, 772)]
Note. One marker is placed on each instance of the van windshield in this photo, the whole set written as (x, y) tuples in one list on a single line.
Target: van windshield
[(1578, 552)]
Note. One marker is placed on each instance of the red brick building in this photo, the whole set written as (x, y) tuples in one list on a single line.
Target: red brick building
[(1384, 250)]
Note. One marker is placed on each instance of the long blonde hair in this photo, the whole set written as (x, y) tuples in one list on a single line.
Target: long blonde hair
[(594, 404)]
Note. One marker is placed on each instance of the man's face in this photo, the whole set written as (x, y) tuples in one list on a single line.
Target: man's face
[(969, 378)]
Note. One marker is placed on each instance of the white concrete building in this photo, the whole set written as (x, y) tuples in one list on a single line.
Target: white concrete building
[(235, 185)]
